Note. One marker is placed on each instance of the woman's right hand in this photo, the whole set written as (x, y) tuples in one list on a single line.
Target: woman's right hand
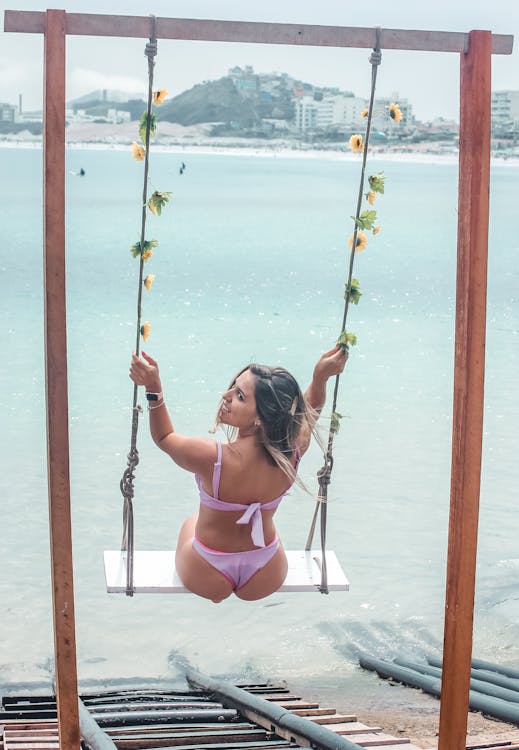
[(145, 372), (330, 363)]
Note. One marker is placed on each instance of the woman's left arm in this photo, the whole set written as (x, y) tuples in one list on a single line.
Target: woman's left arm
[(192, 454)]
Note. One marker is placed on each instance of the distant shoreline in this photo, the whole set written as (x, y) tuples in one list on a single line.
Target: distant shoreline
[(283, 150)]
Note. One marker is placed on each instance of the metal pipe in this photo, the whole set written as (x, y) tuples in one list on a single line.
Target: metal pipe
[(273, 717), (484, 672), (91, 733), (479, 685), (122, 718), (496, 707)]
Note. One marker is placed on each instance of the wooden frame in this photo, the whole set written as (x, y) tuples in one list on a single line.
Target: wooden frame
[(195, 29), (475, 49)]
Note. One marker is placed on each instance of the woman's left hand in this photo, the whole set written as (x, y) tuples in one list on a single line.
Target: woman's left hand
[(145, 372)]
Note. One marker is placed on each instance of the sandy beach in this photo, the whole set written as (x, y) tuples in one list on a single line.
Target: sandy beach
[(174, 138), (415, 716)]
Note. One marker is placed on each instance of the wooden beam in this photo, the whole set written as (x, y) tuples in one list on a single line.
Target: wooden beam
[(469, 371), (195, 29), (56, 380)]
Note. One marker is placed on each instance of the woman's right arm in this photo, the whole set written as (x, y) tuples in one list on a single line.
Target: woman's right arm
[(192, 454), (329, 364)]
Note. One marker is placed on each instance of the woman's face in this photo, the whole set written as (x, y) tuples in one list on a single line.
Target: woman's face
[(238, 407)]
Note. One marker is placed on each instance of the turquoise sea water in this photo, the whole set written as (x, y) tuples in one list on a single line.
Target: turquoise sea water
[(251, 266)]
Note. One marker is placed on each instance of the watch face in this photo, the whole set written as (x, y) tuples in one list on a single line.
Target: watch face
[(152, 396)]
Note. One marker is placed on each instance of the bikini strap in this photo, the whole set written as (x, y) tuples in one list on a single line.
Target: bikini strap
[(217, 470)]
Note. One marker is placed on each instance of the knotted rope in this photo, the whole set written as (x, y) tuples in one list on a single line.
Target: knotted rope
[(126, 484), (325, 472)]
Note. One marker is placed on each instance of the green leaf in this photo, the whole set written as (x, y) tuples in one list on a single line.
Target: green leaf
[(376, 182), (346, 339), (366, 220), (335, 422), (143, 124), (136, 250), (157, 202), (148, 245), (352, 292)]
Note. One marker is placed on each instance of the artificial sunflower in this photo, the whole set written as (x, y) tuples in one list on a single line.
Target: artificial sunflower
[(395, 112), (365, 112), (147, 254), (148, 281), (146, 330), (356, 143), (370, 197), (138, 151), (361, 242), (376, 230), (159, 96)]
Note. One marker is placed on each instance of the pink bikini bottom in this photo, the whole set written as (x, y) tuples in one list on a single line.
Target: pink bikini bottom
[(237, 567)]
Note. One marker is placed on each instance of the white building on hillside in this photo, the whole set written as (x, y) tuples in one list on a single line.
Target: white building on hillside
[(347, 111), (381, 108), (7, 112), (335, 110), (505, 110)]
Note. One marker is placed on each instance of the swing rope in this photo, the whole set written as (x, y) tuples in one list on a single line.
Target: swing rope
[(127, 480), (325, 472)]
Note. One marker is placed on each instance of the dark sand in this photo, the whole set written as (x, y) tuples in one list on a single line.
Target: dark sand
[(405, 712)]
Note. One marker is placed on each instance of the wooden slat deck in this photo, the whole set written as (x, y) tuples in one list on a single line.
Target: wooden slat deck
[(345, 725), (190, 720)]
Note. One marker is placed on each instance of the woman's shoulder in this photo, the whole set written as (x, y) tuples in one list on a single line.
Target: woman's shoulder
[(193, 454)]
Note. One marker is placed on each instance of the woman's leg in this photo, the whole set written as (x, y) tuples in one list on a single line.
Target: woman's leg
[(197, 574), (267, 580)]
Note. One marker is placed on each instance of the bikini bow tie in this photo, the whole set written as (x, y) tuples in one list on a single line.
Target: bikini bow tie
[(253, 516)]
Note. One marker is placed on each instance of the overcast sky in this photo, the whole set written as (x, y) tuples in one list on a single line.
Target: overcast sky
[(429, 80)]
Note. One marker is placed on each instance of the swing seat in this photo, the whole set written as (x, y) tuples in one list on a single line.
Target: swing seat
[(154, 572)]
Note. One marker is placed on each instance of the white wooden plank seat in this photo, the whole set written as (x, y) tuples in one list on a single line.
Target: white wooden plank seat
[(154, 572)]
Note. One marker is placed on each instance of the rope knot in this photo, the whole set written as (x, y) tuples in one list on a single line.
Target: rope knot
[(133, 457), (126, 483), (376, 57), (150, 49), (324, 474)]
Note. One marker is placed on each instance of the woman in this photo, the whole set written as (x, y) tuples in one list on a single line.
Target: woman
[(230, 545)]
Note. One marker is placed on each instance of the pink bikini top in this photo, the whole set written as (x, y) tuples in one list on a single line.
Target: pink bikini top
[(252, 512)]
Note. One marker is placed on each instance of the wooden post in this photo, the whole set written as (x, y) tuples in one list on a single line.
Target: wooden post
[(469, 364), (56, 380)]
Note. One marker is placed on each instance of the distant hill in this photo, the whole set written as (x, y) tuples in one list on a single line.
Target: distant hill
[(102, 95), (222, 101), (241, 101)]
